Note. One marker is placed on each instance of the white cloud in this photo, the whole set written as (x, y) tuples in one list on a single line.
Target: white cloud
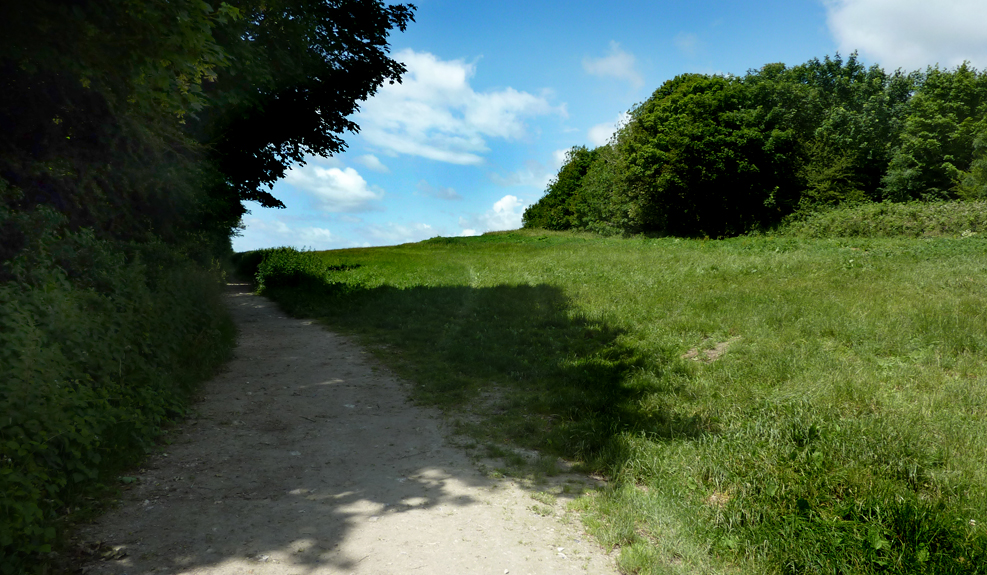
[(391, 233), (504, 215), (266, 233), (435, 113), (687, 43), (469, 233), (428, 190), (534, 174), (558, 157), (600, 134), (911, 34), (328, 162), (335, 190), (617, 64), (372, 162)]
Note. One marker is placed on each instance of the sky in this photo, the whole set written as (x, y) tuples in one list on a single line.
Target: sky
[(496, 92)]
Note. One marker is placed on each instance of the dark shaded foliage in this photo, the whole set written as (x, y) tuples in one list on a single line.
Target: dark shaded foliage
[(297, 70), (132, 132)]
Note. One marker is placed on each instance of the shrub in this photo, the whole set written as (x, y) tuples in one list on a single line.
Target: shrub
[(100, 344), (879, 220)]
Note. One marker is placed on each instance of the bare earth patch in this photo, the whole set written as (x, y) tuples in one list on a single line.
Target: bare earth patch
[(305, 457), (712, 354)]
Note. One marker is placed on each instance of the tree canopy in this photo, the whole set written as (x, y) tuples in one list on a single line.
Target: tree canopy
[(167, 114), (714, 155)]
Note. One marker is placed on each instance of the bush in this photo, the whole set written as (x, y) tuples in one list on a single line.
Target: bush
[(887, 219), (100, 344), (290, 268)]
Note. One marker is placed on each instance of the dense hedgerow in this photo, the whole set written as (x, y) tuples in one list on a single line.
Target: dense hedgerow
[(889, 220), (286, 268), (100, 344)]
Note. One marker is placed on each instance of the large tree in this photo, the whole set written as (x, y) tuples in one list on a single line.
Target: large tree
[(297, 71), (710, 155), (162, 116), (941, 153)]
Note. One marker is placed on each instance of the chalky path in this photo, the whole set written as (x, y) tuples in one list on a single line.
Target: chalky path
[(305, 457)]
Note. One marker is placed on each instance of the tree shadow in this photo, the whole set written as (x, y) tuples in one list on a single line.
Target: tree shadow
[(515, 364), (520, 360)]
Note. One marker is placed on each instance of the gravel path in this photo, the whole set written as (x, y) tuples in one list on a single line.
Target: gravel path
[(305, 457)]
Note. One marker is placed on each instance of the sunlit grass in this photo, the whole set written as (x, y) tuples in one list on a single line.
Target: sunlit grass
[(840, 429)]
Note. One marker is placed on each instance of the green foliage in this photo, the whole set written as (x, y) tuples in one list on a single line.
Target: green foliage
[(948, 114), (856, 117), (159, 65), (132, 132), (709, 156), (841, 429), (594, 208), (891, 220), (723, 155), (297, 71), (563, 199), (290, 268), (100, 344), (972, 184)]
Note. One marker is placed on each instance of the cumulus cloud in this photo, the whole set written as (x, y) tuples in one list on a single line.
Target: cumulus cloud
[(911, 34), (616, 64), (435, 113), (504, 215), (601, 133), (268, 233), (534, 174), (428, 190), (334, 189), (327, 162), (371, 161)]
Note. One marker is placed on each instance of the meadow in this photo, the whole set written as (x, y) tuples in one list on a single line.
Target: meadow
[(760, 404)]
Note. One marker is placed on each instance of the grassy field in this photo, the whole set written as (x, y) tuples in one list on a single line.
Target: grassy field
[(759, 404)]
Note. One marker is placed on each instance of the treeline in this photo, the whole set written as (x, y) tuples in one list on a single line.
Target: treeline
[(710, 155), (130, 135)]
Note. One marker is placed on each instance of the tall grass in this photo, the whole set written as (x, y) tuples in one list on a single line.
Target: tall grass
[(888, 220), (841, 428)]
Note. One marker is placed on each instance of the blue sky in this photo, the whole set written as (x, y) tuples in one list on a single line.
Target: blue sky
[(496, 92)]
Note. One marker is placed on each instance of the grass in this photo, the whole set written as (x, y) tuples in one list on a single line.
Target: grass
[(839, 429), (887, 219)]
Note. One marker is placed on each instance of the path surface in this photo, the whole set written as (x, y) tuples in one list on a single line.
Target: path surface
[(305, 457)]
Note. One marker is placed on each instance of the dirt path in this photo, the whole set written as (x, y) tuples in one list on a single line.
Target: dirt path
[(305, 457)]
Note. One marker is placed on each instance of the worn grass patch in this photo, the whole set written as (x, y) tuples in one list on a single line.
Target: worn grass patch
[(833, 423)]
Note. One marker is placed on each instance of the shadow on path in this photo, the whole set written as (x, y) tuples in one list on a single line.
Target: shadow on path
[(536, 372), (304, 457)]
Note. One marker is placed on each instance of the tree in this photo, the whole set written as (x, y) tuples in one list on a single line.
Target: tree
[(947, 115), (297, 70), (91, 99), (554, 211), (853, 117), (160, 117), (709, 155)]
